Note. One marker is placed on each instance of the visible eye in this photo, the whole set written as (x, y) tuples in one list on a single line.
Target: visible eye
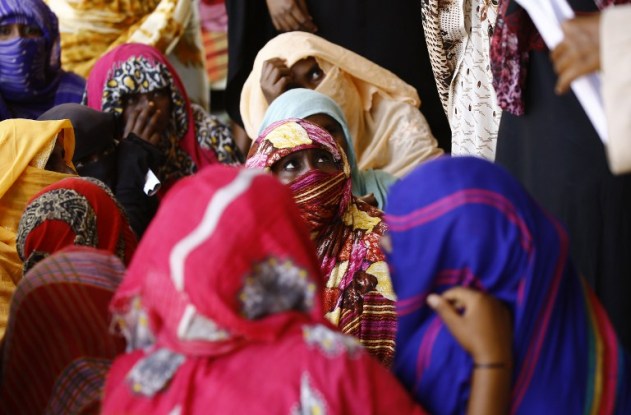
[(31, 31), (162, 93), (315, 75), (323, 158), (289, 165), (5, 30)]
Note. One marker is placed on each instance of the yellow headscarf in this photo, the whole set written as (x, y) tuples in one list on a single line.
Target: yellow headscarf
[(388, 131), (25, 146)]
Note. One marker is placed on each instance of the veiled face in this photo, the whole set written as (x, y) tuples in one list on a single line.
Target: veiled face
[(15, 30), (296, 164), (306, 73)]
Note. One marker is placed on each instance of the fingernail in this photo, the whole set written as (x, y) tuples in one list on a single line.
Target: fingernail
[(433, 300)]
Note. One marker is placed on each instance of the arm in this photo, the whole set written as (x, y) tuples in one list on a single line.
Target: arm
[(578, 53), (288, 15), (482, 326)]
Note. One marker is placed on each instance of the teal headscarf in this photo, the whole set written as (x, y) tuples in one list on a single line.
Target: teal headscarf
[(302, 103)]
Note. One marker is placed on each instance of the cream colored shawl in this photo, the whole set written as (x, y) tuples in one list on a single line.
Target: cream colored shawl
[(389, 132)]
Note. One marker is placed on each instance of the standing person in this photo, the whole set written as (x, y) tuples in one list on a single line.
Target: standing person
[(33, 155), (458, 35), (31, 78), (136, 82), (601, 42), (90, 29), (362, 26), (549, 144), (358, 297), (388, 131), (463, 221)]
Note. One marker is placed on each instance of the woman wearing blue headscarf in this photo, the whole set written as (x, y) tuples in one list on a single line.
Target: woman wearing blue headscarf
[(31, 78), (476, 226), (309, 104)]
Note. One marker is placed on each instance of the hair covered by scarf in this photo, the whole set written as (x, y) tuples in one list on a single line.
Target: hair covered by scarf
[(31, 78), (346, 231), (476, 226), (193, 141), (226, 285), (74, 211)]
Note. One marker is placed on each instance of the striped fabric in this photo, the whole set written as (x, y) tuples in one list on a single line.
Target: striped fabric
[(476, 226), (358, 296), (58, 347)]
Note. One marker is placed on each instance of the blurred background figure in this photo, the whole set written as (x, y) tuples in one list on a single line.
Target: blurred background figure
[(31, 77), (91, 28)]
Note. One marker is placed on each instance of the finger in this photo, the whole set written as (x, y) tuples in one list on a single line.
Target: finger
[(141, 120), (130, 121), (448, 314), (151, 130), (307, 24), (463, 296), (302, 19)]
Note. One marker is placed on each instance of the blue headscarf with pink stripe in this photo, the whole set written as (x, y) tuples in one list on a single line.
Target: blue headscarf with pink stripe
[(465, 221), (31, 78)]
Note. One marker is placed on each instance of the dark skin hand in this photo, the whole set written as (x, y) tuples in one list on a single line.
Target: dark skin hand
[(147, 115), (289, 15), (482, 326), (277, 77), (578, 53)]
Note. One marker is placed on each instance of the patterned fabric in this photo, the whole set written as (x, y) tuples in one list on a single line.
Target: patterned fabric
[(346, 231), (388, 131), (195, 139), (302, 103), (31, 78), (476, 226), (25, 146), (76, 211), (458, 36), (514, 37), (228, 294), (58, 347), (91, 28)]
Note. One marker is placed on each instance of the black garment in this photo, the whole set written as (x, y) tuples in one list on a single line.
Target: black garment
[(555, 152), (388, 33), (135, 158)]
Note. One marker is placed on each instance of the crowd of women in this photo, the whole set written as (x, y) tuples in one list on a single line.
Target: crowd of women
[(337, 261)]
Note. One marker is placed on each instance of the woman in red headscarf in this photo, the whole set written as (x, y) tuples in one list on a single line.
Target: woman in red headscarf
[(222, 312), (137, 82), (75, 242), (358, 296)]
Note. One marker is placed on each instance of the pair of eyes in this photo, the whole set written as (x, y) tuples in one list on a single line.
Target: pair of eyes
[(319, 159), (24, 30), (161, 93)]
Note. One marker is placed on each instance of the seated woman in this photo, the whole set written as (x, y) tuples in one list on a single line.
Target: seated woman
[(122, 164), (388, 131), (75, 243), (137, 83), (250, 339), (476, 226), (346, 231), (371, 185), (31, 78), (33, 154)]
